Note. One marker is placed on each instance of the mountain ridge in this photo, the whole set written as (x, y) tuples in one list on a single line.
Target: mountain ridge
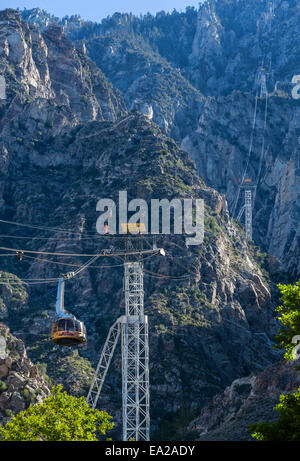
[(62, 147), (227, 46)]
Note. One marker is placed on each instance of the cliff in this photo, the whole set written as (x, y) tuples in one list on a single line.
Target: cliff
[(248, 400), (21, 383), (69, 137)]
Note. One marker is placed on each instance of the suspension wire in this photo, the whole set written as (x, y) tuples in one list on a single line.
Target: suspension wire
[(87, 264), (44, 260), (190, 273), (82, 267), (12, 277), (181, 248), (47, 252), (65, 231), (180, 264), (52, 280), (47, 238), (38, 227), (249, 154), (262, 153), (251, 139), (162, 276), (42, 282), (93, 258), (120, 254)]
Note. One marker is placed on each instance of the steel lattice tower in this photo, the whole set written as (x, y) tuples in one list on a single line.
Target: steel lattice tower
[(133, 328), (248, 213), (263, 86), (261, 81), (135, 357)]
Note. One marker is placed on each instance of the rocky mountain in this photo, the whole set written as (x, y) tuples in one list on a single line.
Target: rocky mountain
[(62, 149), (161, 107), (128, 52), (218, 299), (197, 75), (21, 382), (49, 71), (218, 49), (220, 148), (247, 401), (235, 38), (148, 82)]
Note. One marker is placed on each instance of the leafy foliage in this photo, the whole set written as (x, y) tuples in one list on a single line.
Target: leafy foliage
[(289, 317), (60, 417), (287, 427)]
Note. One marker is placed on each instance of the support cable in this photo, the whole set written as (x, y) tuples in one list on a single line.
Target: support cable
[(249, 155), (262, 153)]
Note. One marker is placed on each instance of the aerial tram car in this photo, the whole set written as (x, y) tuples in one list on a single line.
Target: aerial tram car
[(66, 329)]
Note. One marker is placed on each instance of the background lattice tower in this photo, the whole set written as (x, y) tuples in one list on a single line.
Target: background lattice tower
[(262, 82), (248, 213)]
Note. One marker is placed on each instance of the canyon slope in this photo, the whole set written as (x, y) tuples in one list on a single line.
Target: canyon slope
[(93, 109), (197, 75)]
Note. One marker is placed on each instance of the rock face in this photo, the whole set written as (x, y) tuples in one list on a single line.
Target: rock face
[(125, 50), (205, 331), (67, 141), (20, 381), (47, 72), (164, 65), (235, 38), (231, 43), (220, 147), (141, 74), (248, 400)]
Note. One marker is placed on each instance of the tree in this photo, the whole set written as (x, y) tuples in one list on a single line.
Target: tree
[(60, 417), (289, 318), (287, 426)]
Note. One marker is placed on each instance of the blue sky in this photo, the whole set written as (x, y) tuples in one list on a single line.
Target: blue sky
[(96, 10)]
